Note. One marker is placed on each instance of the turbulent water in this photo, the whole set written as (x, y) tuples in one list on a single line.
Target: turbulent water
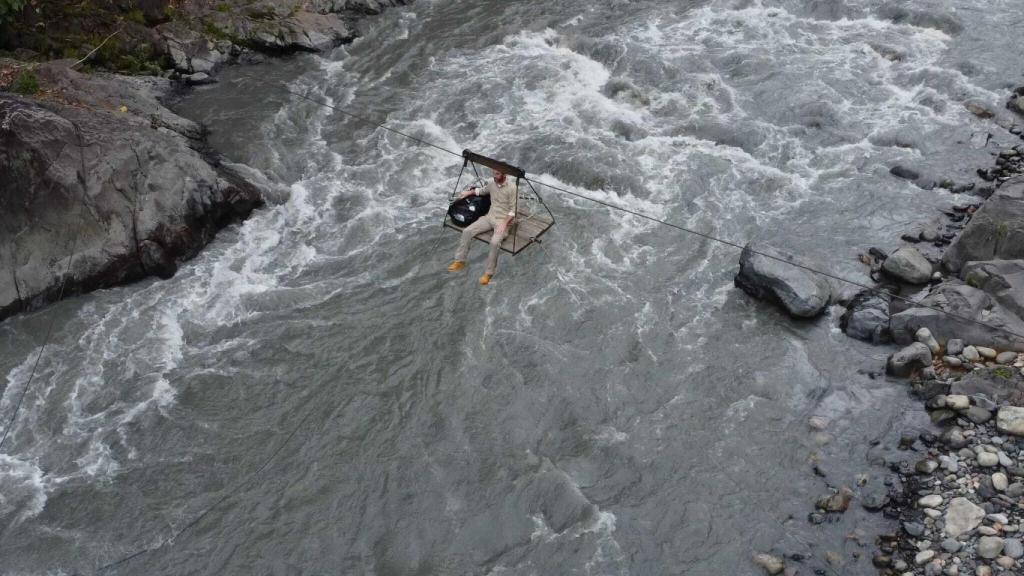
[(611, 404)]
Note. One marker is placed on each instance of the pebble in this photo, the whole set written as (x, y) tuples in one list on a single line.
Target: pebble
[(986, 353), (952, 361), (924, 336), (958, 402), (982, 571), (997, 518), (923, 557), (771, 564), (1013, 548), (1005, 562), (1006, 357), (990, 546), (951, 545), (818, 423), (1004, 460), (971, 354), (913, 528), (930, 501), (1015, 490), (926, 466), (954, 346), (987, 531), (987, 459)]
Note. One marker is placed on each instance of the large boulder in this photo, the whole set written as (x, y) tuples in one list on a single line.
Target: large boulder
[(801, 293), (867, 317), (1000, 383), (1003, 279), (995, 232), (909, 265), (108, 196), (956, 310)]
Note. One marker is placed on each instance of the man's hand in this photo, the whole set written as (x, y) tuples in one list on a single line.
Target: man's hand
[(467, 193)]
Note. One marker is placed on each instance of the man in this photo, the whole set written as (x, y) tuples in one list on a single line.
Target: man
[(499, 218)]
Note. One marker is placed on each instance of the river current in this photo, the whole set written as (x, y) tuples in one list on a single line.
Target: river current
[(611, 404)]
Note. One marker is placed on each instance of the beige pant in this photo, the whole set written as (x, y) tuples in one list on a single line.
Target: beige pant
[(482, 225)]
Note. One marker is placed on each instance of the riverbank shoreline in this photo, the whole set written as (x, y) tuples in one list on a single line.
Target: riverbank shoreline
[(955, 490), (110, 185)]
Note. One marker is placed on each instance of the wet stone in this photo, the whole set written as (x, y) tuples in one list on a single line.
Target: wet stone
[(913, 528), (987, 459)]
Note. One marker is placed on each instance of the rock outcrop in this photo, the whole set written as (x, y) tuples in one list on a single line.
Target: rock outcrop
[(262, 26), (803, 294), (103, 185), (996, 232), (1003, 279), (954, 311)]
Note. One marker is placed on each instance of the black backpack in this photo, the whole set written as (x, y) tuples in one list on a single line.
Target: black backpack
[(467, 210)]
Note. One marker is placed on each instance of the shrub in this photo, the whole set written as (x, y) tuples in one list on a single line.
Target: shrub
[(26, 84), (9, 8)]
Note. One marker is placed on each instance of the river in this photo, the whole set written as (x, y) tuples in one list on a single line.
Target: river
[(611, 404)]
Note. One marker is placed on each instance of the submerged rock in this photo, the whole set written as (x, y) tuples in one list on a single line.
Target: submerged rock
[(803, 294)]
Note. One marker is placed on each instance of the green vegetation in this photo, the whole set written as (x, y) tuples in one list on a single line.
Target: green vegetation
[(972, 281), (26, 84), (265, 14), (135, 15), (9, 9), (1002, 230), (1002, 372)]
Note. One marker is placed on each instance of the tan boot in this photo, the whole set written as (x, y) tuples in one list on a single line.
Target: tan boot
[(485, 279), (456, 266)]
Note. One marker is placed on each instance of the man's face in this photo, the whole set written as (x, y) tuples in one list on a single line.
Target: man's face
[(499, 177)]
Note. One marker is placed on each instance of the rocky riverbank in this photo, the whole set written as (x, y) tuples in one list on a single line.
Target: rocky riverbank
[(107, 185), (952, 298)]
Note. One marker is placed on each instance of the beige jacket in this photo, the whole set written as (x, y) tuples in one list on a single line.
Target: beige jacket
[(503, 199)]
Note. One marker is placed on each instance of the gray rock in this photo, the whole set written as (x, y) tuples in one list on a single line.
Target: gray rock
[(1013, 548), (1010, 420), (955, 309), (901, 171), (915, 529), (867, 318), (995, 232), (909, 265), (771, 564), (1002, 279), (962, 516), (990, 546), (1016, 104), (988, 459), (910, 358), (978, 415), (971, 354), (951, 545), (131, 188), (954, 346), (198, 79), (931, 501), (986, 353), (1006, 357), (952, 361), (987, 386), (801, 293), (924, 336), (1000, 482)]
